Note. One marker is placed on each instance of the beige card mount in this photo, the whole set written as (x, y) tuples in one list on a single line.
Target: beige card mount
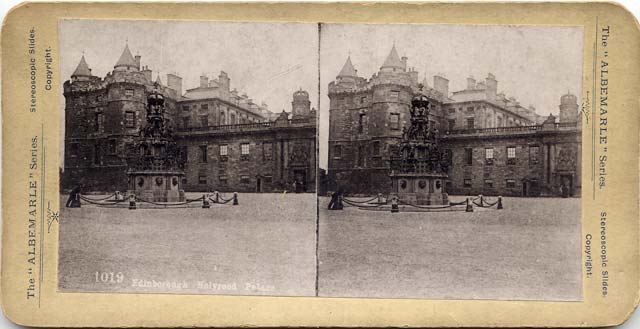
[(320, 164)]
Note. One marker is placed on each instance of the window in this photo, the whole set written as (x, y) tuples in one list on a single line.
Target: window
[(534, 154), (185, 122), (130, 119), (361, 156), (232, 119), (511, 155), (394, 121), (267, 151), (488, 183), (470, 123), (511, 183), (223, 179), (99, 122), (96, 154), (488, 155), (468, 156), (112, 146), (376, 148), (363, 99), (337, 151), (361, 122), (204, 121), (452, 124), (224, 150), (394, 95), (244, 179), (74, 149), (222, 120), (203, 153), (244, 149), (470, 109), (204, 106), (128, 92), (452, 110), (467, 182), (185, 107), (202, 179)]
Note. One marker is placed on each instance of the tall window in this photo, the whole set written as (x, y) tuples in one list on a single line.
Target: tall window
[(488, 155), (470, 123), (203, 153), (452, 124), (112, 146), (337, 151), (224, 150), (222, 119), (511, 183), (204, 106), (185, 107), (361, 156), (96, 153), (511, 155), (185, 122), (534, 154), (468, 156), (361, 122), (128, 92), (99, 122), (488, 183), (202, 179), (204, 121), (232, 119), (376, 148), (452, 110), (467, 182), (394, 121), (267, 151), (130, 119), (394, 95), (244, 149)]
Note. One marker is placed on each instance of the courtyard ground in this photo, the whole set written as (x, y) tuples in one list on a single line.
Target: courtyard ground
[(264, 246), (530, 250)]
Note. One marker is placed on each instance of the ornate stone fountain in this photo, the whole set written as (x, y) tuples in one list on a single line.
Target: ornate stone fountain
[(418, 168), (155, 167)]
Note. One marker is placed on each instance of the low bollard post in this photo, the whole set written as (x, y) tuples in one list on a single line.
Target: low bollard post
[(394, 204), (77, 203), (118, 196), (216, 197), (205, 201), (481, 200), (379, 198), (235, 198), (499, 202), (469, 205), (132, 202)]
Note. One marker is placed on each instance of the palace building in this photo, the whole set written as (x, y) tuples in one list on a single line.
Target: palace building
[(229, 143), (496, 146)]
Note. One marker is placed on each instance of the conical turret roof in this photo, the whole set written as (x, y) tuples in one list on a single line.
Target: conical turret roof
[(126, 59), (158, 80), (82, 70), (348, 70), (393, 60)]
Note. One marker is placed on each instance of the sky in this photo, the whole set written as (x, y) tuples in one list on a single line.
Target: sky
[(534, 64)]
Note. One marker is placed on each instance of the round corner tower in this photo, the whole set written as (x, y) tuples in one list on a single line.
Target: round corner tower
[(300, 106), (568, 108)]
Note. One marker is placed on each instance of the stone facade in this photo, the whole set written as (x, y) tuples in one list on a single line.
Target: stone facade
[(367, 116), (103, 117)]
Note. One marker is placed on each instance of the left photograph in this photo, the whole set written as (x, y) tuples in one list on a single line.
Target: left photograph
[(188, 157)]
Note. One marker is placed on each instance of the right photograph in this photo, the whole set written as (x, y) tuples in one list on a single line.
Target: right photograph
[(450, 162)]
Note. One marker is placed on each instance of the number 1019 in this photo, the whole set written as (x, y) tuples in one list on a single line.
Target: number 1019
[(109, 277)]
